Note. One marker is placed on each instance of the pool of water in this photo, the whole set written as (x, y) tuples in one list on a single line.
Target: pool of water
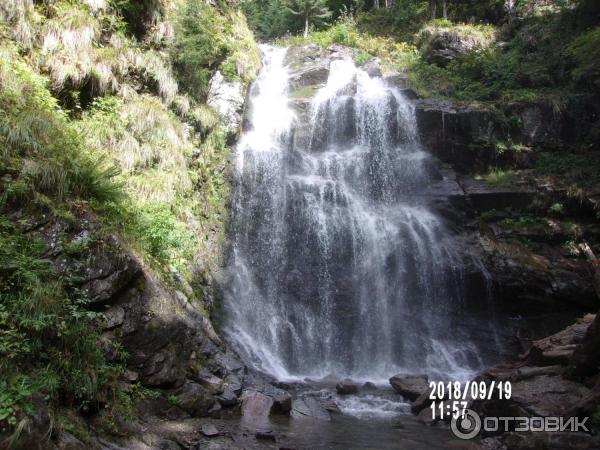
[(375, 419)]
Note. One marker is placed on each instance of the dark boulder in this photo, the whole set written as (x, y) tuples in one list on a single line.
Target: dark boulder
[(227, 398), (194, 399), (409, 387), (421, 402), (213, 384), (256, 404), (310, 407), (585, 360), (346, 387)]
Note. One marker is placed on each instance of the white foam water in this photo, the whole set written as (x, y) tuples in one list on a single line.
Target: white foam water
[(337, 263)]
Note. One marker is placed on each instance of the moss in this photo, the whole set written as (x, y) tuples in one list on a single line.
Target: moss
[(207, 38), (244, 54), (528, 223)]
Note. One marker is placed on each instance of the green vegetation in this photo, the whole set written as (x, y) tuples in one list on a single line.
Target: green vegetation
[(41, 149), (581, 169), (499, 178), (512, 62), (585, 50), (528, 223), (102, 112), (207, 39), (539, 53), (310, 11), (47, 344)]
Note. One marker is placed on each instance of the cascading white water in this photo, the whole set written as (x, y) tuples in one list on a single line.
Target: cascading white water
[(337, 263)]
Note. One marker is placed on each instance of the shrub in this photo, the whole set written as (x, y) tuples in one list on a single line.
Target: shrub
[(199, 46), (362, 58)]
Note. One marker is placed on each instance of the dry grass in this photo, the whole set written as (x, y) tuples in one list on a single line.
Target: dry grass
[(203, 117), (181, 104), (149, 143), (76, 49), (21, 17)]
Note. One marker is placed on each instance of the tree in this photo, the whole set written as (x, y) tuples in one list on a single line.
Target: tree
[(268, 18), (510, 6), (310, 11), (433, 8)]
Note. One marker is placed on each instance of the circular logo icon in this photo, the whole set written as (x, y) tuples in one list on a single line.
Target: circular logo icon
[(467, 425)]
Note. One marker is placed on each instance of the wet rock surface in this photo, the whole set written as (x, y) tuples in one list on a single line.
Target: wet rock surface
[(227, 98), (409, 387), (346, 387), (172, 348)]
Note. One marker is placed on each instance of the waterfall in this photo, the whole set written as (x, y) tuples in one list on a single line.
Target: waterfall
[(337, 263)]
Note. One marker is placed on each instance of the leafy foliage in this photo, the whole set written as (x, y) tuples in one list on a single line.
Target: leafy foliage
[(269, 18), (204, 39), (199, 47), (93, 117)]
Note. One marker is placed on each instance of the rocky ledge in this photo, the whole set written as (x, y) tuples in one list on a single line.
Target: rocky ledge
[(558, 376), (173, 350)]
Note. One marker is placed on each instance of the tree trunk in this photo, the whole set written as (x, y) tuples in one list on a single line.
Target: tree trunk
[(376, 4), (445, 10), (433, 8), (509, 5), (305, 27)]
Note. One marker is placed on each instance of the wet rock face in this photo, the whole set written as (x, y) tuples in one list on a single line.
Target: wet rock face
[(452, 132), (526, 281), (310, 407), (525, 278), (585, 359), (309, 65), (165, 335), (227, 98)]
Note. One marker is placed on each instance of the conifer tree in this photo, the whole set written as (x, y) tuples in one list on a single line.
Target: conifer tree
[(310, 11)]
